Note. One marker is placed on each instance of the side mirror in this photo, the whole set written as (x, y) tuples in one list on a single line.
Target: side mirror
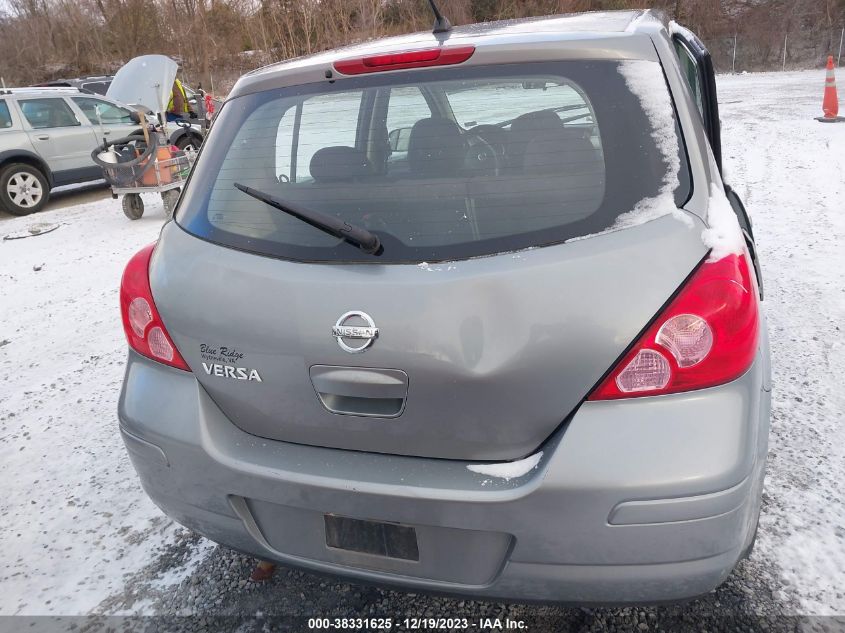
[(135, 117), (399, 139)]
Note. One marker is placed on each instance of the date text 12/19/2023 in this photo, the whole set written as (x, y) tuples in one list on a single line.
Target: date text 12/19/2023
[(417, 624)]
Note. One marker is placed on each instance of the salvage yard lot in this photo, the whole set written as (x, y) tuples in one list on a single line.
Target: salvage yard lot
[(80, 536)]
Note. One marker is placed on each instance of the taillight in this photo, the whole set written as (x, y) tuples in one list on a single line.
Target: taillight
[(142, 324), (402, 60), (707, 336)]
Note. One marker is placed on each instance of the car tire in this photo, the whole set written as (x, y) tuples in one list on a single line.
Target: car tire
[(23, 189), (133, 206), (169, 198), (750, 549), (189, 142)]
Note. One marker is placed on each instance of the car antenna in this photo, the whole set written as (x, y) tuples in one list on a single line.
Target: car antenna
[(441, 22)]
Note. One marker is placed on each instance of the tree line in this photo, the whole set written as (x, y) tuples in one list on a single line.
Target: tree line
[(217, 40)]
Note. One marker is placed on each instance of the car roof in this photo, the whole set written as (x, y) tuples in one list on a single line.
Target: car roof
[(51, 91), (598, 34), (76, 80)]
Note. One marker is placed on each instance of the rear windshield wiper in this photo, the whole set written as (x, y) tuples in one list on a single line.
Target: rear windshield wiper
[(355, 235)]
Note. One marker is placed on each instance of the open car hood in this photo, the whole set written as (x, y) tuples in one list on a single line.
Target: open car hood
[(145, 81)]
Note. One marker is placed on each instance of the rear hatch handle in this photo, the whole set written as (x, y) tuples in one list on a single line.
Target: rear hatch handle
[(361, 391)]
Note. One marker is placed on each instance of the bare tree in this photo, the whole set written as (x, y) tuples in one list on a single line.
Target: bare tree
[(43, 39)]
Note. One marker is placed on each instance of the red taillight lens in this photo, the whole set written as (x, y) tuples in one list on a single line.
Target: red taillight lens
[(142, 324), (441, 56), (707, 336)]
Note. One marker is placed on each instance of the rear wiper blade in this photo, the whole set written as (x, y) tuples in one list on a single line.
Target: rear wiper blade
[(355, 235)]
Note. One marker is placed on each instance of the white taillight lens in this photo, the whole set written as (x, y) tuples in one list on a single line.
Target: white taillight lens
[(648, 370), (140, 316), (159, 345), (688, 337)]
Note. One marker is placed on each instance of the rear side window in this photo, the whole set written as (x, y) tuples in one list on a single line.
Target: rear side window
[(108, 112), (690, 71), (5, 116), (48, 113), (441, 164)]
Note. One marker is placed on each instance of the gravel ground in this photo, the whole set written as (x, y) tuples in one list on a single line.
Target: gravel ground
[(221, 597)]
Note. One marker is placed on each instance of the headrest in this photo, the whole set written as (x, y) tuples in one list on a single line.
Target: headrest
[(332, 164), (436, 148), (560, 153), (532, 124), (526, 128)]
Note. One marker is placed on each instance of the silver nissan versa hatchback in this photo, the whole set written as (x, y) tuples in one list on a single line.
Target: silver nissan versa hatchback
[(470, 312)]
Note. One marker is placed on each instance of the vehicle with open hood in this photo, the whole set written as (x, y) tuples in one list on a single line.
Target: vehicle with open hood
[(145, 83)]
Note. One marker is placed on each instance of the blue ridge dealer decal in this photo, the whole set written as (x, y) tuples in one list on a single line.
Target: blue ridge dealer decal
[(221, 363)]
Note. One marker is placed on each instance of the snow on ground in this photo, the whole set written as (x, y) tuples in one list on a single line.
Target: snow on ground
[(80, 535), (790, 172), (74, 518)]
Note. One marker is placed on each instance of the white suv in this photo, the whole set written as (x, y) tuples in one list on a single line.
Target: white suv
[(46, 139)]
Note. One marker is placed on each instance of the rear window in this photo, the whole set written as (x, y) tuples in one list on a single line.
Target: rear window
[(48, 113), (108, 112), (442, 164)]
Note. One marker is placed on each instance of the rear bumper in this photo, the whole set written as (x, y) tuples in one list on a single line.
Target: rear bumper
[(645, 500)]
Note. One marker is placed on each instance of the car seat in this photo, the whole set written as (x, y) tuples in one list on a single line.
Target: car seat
[(340, 163), (564, 152), (525, 129), (436, 148)]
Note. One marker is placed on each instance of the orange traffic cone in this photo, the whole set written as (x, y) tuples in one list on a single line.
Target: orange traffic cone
[(830, 105)]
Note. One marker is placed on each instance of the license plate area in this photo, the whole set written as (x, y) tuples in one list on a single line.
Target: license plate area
[(445, 554), (389, 540)]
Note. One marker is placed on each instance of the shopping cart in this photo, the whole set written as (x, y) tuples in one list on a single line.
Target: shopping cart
[(163, 172), (144, 162)]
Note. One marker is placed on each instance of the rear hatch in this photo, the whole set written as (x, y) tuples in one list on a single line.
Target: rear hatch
[(487, 318)]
